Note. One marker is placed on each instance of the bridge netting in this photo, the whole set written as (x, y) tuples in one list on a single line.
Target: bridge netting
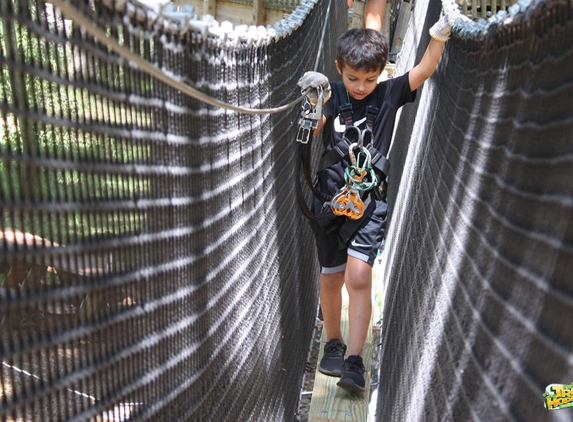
[(154, 262), (479, 260)]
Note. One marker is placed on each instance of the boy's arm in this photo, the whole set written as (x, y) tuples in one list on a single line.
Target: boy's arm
[(374, 14), (440, 33), (427, 65), (320, 125)]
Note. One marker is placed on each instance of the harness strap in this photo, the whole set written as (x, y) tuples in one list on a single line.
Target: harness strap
[(371, 113), (303, 152), (336, 154), (345, 111), (340, 150), (378, 161)]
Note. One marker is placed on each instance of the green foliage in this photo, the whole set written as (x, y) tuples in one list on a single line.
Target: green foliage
[(65, 111)]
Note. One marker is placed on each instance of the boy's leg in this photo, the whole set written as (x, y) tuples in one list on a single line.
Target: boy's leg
[(362, 252), (358, 278), (331, 303), (359, 285), (332, 257)]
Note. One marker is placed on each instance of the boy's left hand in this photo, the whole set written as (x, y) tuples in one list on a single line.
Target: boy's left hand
[(442, 29)]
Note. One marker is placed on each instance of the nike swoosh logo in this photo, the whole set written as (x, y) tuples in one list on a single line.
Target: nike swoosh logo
[(340, 128), (355, 243)]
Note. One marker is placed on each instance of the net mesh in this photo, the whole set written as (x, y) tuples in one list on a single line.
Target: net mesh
[(154, 262), (479, 306)]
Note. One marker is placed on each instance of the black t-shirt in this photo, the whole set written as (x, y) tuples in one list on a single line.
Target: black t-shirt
[(388, 97)]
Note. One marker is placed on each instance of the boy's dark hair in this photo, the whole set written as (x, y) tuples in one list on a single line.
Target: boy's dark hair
[(362, 49)]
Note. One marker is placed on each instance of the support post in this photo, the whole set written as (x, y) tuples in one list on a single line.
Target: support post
[(210, 8), (259, 12)]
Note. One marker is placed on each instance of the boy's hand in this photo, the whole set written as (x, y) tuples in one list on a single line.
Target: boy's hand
[(443, 27), (312, 80)]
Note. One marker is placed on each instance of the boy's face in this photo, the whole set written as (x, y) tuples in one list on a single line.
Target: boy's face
[(358, 83)]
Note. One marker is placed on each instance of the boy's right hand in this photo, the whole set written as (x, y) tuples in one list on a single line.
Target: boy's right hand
[(312, 80), (442, 29)]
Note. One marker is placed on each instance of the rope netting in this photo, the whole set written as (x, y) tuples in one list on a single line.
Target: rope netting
[(155, 265), (154, 262), (478, 318)]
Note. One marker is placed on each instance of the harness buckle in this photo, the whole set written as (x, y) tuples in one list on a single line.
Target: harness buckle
[(310, 117), (345, 111)]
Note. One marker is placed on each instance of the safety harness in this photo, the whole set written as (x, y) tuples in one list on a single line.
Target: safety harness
[(360, 177), (340, 150)]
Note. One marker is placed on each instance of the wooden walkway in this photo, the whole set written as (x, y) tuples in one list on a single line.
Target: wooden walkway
[(331, 403)]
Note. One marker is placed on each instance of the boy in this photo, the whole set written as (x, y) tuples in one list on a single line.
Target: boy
[(347, 244)]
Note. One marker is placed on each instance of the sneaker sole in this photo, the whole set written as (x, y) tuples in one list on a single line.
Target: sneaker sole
[(350, 385), (334, 373)]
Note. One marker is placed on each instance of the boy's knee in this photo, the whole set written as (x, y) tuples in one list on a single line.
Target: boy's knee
[(363, 283), (358, 275), (333, 280)]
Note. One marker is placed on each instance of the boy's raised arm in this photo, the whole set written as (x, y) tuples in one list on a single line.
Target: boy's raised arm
[(427, 65), (440, 33)]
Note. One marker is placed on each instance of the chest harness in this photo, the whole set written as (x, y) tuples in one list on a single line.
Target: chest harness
[(353, 199)]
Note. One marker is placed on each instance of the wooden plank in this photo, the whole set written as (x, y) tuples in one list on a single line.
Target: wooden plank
[(332, 403), (236, 13), (82, 264), (357, 15)]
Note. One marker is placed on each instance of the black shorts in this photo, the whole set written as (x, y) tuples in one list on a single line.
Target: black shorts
[(338, 237)]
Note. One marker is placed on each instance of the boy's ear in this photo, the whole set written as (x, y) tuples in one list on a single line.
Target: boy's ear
[(338, 67)]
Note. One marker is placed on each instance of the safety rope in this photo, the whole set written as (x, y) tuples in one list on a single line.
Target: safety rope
[(77, 16), (319, 53)]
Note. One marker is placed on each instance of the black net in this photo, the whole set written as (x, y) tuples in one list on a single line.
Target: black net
[(155, 265), (479, 308)]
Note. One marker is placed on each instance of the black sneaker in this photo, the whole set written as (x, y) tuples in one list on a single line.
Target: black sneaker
[(352, 374), (333, 358)]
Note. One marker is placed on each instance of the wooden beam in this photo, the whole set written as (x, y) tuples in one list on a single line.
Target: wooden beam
[(357, 14), (210, 8), (259, 12)]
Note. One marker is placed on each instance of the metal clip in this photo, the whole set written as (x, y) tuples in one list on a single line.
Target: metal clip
[(316, 112), (347, 202), (304, 130), (310, 117)]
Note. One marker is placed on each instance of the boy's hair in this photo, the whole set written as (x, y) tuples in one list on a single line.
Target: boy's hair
[(362, 49)]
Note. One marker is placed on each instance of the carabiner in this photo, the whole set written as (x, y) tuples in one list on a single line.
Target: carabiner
[(310, 116), (362, 151), (363, 134)]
